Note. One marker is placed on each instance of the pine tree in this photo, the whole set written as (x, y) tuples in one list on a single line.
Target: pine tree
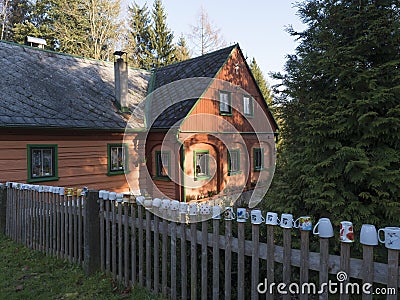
[(161, 37), (262, 83), (341, 136), (139, 40), (181, 50)]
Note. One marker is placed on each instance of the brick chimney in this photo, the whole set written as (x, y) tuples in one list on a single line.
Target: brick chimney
[(121, 80)]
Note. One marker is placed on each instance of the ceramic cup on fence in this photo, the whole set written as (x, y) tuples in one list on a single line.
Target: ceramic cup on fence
[(242, 215), (193, 209), (112, 196), (323, 228), (139, 200), (120, 196), (272, 218), (165, 203), (229, 214), (287, 221), (391, 237), (148, 202), (156, 202), (205, 209), (368, 235), (174, 205), (61, 191), (216, 212), (303, 223), (183, 208), (346, 232), (256, 217)]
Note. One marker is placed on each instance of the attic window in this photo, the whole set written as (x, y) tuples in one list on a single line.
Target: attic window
[(225, 107), (248, 106)]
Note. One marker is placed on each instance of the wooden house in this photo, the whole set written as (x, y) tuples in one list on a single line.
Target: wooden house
[(203, 125)]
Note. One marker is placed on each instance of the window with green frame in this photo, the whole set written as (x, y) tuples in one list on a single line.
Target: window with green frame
[(201, 164), (42, 163), (225, 105), (258, 159), (233, 161), (248, 105), (117, 156), (163, 164)]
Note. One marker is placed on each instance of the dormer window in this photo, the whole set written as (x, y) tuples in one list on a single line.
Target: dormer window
[(225, 107)]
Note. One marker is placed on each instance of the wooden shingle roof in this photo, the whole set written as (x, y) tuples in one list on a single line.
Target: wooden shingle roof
[(43, 89)]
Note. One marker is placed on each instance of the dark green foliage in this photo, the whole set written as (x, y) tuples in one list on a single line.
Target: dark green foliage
[(161, 37), (262, 83), (181, 50), (139, 39), (340, 155)]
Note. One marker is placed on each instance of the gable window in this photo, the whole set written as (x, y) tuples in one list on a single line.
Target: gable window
[(258, 155), (201, 164), (233, 161), (225, 107), (163, 164), (42, 163), (117, 159), (248, 106)]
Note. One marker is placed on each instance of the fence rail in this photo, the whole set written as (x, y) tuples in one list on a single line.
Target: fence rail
[(206, 260)]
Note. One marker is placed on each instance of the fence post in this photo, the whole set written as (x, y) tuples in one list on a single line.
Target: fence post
[(91, 240), (3, 207)]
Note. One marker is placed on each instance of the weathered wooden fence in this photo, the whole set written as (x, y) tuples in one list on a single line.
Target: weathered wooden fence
[(207, 260)]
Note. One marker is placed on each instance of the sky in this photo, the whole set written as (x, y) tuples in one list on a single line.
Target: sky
[(257, 25)]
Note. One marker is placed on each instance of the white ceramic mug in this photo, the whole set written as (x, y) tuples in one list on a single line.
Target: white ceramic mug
[(156, 202), (112, 196), (61, 191), (183, 208), (139, 200), (148, 202), (272, 218), (368, 235), (256, 217), (391, 237), (120, 196), (287, 221), (193, 209), (205, 209), (165, 203), (229, 214), (346, 232), (303, 223), (325, 229), (174, 205), (242, 215), (216, 212), (106, 195)]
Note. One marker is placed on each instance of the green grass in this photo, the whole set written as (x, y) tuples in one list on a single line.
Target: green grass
[(28, 274)]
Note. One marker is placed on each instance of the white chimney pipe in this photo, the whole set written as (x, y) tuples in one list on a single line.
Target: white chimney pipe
[(121, 81)]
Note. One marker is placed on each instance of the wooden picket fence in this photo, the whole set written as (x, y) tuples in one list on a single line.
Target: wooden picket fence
[(183, 260), (46, 222)]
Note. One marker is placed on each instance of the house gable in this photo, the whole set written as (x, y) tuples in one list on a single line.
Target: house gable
[(234, 81)]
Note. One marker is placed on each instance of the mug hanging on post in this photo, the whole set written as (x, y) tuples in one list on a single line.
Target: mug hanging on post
[(325, 229), (272, 218), (391, 237)]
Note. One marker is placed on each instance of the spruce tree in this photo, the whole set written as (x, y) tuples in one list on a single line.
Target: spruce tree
[(261, 81), (341, 109), (139, 40), (181, 50), (161, 37)]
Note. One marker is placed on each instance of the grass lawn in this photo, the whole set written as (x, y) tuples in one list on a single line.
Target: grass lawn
[(27, 274)]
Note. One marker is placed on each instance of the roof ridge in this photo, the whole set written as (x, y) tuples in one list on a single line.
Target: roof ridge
[(231, 47), (66, 55)]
